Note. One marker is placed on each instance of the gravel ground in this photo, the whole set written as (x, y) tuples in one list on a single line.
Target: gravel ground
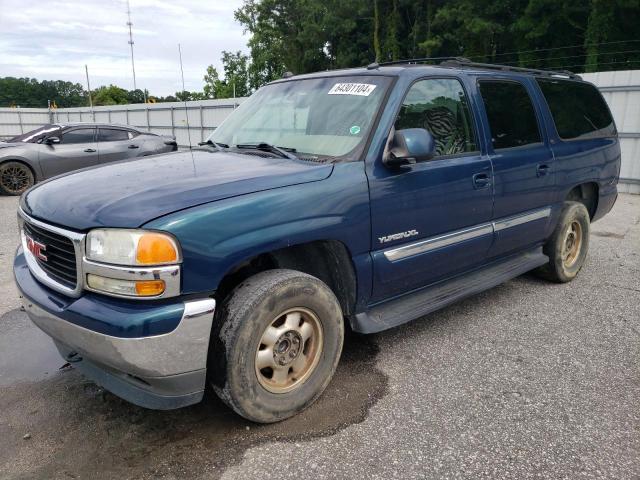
[(527, 380)]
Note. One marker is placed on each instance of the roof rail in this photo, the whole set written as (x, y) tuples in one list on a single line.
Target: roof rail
[(410, 61), (462, 62)]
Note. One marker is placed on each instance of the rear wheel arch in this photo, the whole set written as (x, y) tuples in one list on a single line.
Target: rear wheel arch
[(586, 193)]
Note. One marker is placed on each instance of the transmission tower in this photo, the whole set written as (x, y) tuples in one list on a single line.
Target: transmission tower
[(129, 24)]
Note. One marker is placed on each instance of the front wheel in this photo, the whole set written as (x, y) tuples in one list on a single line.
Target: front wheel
[(276, 345), (15, 178), (567, 248)]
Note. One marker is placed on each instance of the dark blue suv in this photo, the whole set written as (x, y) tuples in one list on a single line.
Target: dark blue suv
[(362, 198)]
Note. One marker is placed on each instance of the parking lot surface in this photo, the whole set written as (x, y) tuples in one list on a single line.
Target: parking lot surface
[(527, 380)]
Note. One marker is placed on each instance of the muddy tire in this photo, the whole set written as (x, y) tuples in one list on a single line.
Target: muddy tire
[(15, 178), (275, 345), (568, 246)]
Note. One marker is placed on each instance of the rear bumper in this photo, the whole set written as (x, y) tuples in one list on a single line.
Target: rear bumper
[(160, 371)]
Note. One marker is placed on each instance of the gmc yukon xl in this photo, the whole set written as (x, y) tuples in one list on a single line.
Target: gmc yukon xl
[(361, 199)]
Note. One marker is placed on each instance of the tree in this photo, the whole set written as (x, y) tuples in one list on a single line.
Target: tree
[(211, 82), (307, 35), (111, 95), (236, 81)]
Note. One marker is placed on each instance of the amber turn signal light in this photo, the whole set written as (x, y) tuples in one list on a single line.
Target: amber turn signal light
[(149, 288), (155, 249)]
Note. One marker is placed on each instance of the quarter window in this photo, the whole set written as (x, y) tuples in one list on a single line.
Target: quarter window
[(80, 135), (440, 106), (112, 135), (511, 116), (578, 109)]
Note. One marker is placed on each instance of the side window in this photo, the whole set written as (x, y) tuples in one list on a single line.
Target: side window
[(79, 135), (578, 109), (440, 106), (112, 135), (511, 116)]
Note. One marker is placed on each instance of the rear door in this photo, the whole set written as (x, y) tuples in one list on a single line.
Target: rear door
[(117, 144), (523, 166), (77, 149), (431, 220)]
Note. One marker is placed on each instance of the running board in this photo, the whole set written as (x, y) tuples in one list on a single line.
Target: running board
[(419, 303)]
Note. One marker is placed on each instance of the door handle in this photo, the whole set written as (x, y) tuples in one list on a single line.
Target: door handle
[(481, 180), (134, 146), (90, 150), (542, 169)]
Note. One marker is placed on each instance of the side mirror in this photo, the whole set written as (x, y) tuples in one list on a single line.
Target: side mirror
[(52, 140), (410, 146)]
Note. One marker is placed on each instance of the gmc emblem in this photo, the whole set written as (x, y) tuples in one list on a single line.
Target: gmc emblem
[(36, 248)]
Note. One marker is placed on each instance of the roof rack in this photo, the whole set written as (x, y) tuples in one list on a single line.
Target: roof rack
[(465, 62), (462, 62), (410, 61)]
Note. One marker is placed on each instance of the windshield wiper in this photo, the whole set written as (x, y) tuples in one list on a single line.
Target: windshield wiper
[(284, 152), (219, 146)]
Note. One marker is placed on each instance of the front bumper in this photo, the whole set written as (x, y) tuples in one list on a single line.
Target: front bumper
[(162, 371)]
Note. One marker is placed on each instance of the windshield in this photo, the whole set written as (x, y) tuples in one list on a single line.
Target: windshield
[(36, 135), (324, 117)]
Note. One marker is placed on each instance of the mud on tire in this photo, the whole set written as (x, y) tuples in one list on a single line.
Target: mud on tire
[(275, 345), (568, 246)]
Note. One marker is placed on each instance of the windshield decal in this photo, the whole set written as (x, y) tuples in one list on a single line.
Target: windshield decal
[(361, 89)]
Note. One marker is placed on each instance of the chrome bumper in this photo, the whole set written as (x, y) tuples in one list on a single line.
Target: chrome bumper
[(162, 372)]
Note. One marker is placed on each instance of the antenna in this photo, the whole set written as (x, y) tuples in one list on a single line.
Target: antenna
[(86, 71), (186, 110)]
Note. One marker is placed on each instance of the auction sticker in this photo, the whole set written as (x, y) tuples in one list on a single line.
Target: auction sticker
[(361, 89)]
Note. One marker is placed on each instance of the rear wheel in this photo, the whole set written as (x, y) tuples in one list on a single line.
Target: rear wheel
[(15, 178), (567, 248), (276, 345)]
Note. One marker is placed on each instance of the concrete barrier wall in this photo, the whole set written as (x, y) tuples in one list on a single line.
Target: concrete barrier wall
[(195, 119), (621, 90)]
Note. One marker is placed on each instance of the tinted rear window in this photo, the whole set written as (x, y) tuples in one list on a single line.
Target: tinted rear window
[(112, 135), (511, 116), (578, 109)]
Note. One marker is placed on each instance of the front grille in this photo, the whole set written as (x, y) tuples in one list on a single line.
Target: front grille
[(60, 253)]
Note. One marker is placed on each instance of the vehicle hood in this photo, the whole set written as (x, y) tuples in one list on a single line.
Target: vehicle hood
[(130, 194)]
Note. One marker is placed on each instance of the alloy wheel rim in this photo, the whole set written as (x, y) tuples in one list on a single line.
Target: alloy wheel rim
[(572, 244), (14, 179), (289, 350)]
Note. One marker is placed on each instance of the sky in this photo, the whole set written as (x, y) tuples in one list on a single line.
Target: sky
[(54, 39)]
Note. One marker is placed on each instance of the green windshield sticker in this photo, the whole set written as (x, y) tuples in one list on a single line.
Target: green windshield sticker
[(354, 130)]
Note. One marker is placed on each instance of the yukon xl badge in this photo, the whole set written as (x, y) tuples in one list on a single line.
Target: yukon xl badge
[(398, 236)]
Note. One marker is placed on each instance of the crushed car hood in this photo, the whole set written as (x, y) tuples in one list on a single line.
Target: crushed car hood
[(130, 194)]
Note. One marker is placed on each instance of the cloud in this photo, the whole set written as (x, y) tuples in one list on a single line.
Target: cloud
[(55, 40)]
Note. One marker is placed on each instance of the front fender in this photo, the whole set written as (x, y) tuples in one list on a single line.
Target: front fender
[(220, 235)]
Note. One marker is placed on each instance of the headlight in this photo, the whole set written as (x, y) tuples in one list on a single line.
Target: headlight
[(131, 247)]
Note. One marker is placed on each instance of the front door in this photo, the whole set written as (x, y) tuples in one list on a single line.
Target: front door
[(523, 166), (431, 220), (77, 149)]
